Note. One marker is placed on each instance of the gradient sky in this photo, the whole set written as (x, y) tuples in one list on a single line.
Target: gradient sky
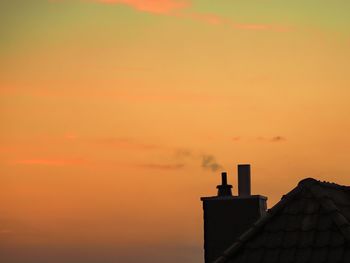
[(118, 115)]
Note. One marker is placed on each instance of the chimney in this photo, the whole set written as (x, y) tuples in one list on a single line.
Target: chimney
[(227, 216), (244, 179)]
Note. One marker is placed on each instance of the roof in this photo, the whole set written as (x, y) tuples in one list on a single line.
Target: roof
[(309, 224)]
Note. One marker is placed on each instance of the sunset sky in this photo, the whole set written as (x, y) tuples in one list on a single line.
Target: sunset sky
[(118, 115)]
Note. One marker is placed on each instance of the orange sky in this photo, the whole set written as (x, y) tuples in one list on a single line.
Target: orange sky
[(108, 109)]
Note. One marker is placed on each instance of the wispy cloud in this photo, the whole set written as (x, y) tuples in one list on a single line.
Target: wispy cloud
[(179, 8), (155, 166), (277, 138), (116, 95), (182, 157), (208, 18), (49, 162), (152, 6), (261, 27), (215, 19), (126, 143), (181, 154)]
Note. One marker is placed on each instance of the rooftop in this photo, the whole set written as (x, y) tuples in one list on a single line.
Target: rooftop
[(309, 224)]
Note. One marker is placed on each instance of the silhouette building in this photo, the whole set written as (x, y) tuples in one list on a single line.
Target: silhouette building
[(310, 224), (227, 216)]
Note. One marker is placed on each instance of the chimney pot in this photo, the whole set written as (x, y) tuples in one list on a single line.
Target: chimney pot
[(224, 178), (224, 189)]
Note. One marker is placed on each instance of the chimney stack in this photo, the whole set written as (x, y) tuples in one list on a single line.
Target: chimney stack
[(227, 216)]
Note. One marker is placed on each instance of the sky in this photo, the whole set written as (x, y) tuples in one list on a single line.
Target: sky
[(118, 115)]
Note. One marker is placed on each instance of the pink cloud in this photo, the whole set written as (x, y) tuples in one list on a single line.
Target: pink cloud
[(251, 26), (260, 27), (177, 8), (152, 6), (202, 17), (214, 19)]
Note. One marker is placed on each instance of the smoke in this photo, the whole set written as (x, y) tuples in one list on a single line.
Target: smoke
[(183, 154), (206, 161), (209, 162)]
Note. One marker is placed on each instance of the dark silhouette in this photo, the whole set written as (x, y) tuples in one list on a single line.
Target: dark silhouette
[(310, 224), (227, 216)]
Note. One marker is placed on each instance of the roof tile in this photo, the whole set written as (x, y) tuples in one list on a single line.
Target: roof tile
[(337, 239), (290, 239), (303, 255), (346, 255), (309, 222), (311, 206), (322, 239), (255, 255), (288, 255), (335, 254), (306, 239), (278, 224), (271, 256), (319, 255), (273, 239), (324, 223)]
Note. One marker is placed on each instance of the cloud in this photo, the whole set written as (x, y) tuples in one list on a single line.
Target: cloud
[(215, 19), (208, 18), (50, 162), (127, 143), (261, 27), (151, 6), (177, 8), (277, 139), (273, 139), (162, 166), (209, 162), (116, 95)]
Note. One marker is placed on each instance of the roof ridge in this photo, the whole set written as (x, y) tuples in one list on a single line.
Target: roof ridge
[(253, 230), (311, 181), (327, 203)]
